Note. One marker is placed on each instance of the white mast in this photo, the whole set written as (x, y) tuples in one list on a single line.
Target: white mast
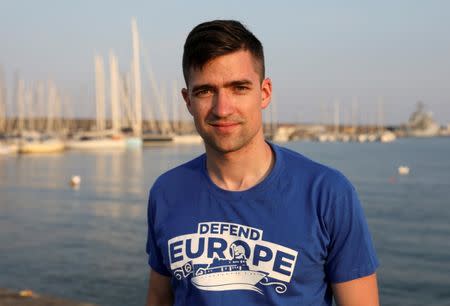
[(336, 116), (114, 79), (265, 119), (66, 113), (28, 102), (100, 92), (183, 115), (40, 97), (137, 128), (323, 114), (175, 115), (20, 105), (380, 115), (58, 112), (273, 117), (2, 102), (354, 114), (162, 101), (125, 85), (159, 96), (51, 106)]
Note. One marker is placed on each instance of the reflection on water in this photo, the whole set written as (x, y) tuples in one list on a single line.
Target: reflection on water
[(86, 243), (89, 244)]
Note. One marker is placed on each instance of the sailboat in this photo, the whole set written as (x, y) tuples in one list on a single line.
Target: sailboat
[(7, 147), (102, 138), (96, 140), (32, 141)]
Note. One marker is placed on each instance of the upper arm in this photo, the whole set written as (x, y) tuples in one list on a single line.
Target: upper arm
[(159, 290), (360, 291), (350, 250)]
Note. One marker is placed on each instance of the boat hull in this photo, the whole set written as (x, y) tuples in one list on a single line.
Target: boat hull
[(229, 280), (97, 144), (187, 139), (41, 147), (6, 149)]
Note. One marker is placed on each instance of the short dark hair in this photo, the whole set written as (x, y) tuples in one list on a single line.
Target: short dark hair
[(215, 38)]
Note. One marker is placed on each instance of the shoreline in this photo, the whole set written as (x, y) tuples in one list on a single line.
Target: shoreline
[(9, 297)]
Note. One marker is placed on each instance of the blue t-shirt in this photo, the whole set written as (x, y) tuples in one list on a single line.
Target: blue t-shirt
[(281, 242)]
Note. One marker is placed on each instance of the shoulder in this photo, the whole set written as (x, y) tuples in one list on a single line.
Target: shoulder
[(182, 175), (315, 175)]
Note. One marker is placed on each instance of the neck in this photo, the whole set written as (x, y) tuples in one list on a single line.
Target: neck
[(241, 169)]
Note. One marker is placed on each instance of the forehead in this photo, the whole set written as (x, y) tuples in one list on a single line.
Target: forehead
[(234, 66)]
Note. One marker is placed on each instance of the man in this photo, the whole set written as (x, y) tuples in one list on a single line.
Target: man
[(249, 222)]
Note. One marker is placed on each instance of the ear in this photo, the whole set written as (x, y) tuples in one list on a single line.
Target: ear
[(187, 100), (266, 92)]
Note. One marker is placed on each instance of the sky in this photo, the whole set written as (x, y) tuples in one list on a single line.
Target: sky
[(382, 56)]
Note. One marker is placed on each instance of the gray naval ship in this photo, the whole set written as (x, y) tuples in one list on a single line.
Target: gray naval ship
[(421, 123)]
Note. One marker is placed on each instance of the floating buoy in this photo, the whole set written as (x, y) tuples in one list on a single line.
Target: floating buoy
[(26, 293), (403, 170), (75, 181)]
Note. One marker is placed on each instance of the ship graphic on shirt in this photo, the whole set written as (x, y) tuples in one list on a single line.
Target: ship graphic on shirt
[(229, 256)]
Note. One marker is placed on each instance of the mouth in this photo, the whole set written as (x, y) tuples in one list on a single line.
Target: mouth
[(224, 126)]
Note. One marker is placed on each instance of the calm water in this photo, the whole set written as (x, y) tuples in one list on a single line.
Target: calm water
[(89, 244)]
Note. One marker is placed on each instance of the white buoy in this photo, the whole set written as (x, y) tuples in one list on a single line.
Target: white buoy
[(403, 170), (75, 181)]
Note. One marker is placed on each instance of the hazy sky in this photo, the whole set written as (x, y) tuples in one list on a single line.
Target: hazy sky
[(316, 53)]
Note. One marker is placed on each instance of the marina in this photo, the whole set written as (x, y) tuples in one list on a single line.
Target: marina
[(126, 117)]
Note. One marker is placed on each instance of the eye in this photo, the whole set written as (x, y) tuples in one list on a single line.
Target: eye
[(202, 93), (241, 88)]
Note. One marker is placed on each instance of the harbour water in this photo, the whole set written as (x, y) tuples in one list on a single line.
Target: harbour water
[(88, 244)]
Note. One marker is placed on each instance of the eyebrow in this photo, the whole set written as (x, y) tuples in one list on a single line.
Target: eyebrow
[(238, 83), (202, 87), (228, 84)]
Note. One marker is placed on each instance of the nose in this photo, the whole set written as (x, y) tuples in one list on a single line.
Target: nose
[(223, 104)]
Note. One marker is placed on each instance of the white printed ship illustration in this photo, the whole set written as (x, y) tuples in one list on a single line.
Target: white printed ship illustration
[(224, 274)]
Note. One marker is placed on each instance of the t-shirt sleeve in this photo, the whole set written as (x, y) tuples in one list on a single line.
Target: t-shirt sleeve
[(155, 258), (351, 253)]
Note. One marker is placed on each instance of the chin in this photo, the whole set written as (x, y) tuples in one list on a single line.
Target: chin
[(222, 147), (225, 145)]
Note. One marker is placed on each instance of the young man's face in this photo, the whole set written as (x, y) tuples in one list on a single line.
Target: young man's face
[(226, 98)]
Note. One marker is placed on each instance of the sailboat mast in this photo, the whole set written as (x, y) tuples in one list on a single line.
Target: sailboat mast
[(273, 118), (137, 128), (28, 102), (380, 115), (175, 114), (58, 112), (20, 105), (100, 92), (125, 85), (162, 102), (40, 97), (336, 117), (354, 114), (114, 80), (51, 106), (2, 102)]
